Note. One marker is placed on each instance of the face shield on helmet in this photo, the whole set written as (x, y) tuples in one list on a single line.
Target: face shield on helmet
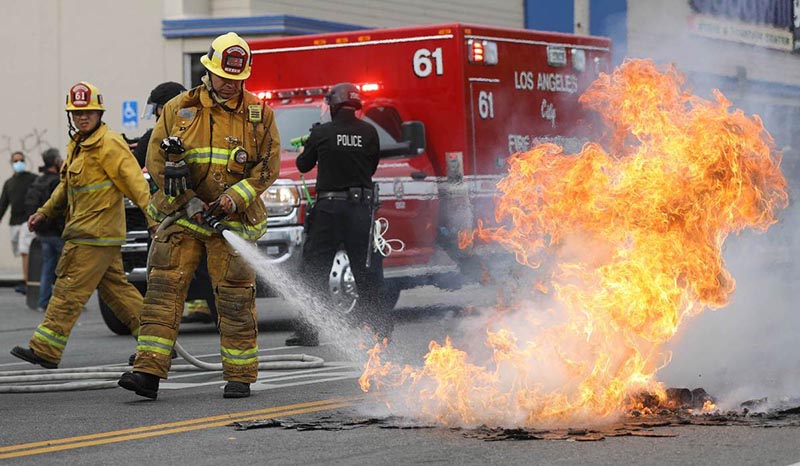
[(228, 57), (325, 113), (84, 96), (159, 96)]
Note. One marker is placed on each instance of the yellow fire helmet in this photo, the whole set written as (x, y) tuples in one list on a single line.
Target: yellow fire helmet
[(84, 96), (229, 57)]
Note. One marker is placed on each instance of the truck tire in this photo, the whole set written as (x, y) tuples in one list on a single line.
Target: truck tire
[(343, 289), (111, 320)]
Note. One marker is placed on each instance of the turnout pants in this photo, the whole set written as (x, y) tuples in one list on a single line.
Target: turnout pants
[(331, 225), (82, 269), (174, 256)]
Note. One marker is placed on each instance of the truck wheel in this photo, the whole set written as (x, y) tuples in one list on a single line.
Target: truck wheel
[(343, 289), (111, 320), (342, 284)]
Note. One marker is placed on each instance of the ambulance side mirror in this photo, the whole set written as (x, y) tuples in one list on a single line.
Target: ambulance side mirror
[(412, 143), (413, 132)]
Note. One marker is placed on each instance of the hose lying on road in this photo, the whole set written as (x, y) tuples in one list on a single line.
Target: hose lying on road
[(108, 375)]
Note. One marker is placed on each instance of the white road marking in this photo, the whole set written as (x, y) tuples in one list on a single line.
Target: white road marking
[(268, 380), (14, 363)]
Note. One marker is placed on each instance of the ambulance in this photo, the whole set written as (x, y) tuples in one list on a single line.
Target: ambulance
[(450, 102)]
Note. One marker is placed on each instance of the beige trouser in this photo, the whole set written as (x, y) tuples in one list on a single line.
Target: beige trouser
[(174, 256), (82, 269)]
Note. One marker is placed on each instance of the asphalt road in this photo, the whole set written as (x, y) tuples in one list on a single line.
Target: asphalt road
[(188, 423)]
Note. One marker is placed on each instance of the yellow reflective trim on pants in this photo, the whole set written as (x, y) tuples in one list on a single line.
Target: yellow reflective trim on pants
[(239, 357), (155, 344), (50, 337)]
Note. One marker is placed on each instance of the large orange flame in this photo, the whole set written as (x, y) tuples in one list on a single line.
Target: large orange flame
[(634, 234)]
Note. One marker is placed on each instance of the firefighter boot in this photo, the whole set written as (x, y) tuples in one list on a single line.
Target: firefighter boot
[(29, 355), (236, 390), (142, 383)]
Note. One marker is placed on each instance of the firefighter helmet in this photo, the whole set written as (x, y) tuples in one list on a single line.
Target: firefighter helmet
[(344, 94), (84, 96), (229, 57)]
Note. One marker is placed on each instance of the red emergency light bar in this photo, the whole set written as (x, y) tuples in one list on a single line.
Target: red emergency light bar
[(369, 87), (285, 94)]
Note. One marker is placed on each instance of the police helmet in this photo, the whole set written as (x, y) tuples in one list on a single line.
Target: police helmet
[(160, 95), (344, 94)]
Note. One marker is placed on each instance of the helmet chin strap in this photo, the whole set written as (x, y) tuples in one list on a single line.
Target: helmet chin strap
[(72, 131)]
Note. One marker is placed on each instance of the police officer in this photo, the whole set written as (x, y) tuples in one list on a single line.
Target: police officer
[(158, 97), (346, 152), (216, 145), (99, 170)]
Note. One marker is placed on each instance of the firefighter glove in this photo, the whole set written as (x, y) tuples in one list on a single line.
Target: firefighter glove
[(176, 178), (173, 145)]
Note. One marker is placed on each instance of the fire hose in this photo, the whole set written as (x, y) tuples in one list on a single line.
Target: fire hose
[(86, 378)]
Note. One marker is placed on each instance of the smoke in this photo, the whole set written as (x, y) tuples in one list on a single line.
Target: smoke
[(748, 349), (316, 309)]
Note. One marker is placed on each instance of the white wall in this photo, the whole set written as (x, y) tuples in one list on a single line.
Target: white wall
[(52, 44)]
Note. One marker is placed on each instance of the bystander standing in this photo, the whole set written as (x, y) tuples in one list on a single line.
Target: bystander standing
[(15, 190)]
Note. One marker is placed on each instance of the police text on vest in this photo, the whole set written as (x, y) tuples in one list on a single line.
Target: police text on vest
[(348, 140)]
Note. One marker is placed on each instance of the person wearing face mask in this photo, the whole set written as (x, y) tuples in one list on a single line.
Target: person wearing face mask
[(99, 171), (15, 191)]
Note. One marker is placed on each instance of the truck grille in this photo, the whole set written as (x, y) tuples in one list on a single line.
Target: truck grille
[(134, 260), (134, 218)]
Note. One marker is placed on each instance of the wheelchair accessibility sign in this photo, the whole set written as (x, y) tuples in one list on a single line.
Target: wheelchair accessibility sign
[(130, 114)]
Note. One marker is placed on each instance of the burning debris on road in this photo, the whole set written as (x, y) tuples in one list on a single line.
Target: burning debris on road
[(629, 233), (679, 409)]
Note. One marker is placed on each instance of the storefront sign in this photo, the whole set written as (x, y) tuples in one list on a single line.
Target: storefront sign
[(774, 13), (708, 26), (763, 23)]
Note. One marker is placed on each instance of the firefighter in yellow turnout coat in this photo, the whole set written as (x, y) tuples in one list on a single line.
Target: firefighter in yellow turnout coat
[(99, 170), (217, 143)]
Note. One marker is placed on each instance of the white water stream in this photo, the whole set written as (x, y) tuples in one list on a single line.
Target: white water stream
[(318, 310)]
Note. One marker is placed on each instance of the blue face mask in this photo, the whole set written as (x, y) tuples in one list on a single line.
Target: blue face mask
[(19, 166)]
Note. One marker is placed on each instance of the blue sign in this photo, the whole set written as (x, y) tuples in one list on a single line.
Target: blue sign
[(130, 114)]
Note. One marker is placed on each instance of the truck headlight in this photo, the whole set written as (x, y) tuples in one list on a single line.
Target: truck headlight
[(280, 199)]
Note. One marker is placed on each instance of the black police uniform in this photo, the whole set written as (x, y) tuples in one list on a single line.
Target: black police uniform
[(345, 151)]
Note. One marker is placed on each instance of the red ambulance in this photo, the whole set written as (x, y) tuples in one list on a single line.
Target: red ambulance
[(451, 102)]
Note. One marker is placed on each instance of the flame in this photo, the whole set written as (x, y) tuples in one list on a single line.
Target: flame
[(633, 234)]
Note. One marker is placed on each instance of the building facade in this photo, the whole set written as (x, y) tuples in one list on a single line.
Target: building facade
[(743, 47)]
